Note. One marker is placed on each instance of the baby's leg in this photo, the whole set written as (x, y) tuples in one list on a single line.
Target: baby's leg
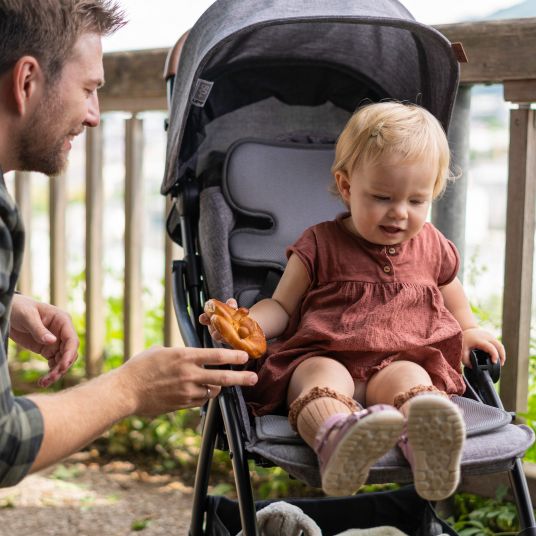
[(319, 388), (323, 412), (394, 381), (435, 434)]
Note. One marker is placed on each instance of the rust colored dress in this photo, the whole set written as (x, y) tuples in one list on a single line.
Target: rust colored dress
[(367, 306)]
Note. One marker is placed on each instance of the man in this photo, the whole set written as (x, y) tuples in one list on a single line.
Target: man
[(50, 71)]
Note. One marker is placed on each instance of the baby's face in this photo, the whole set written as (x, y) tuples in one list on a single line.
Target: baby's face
[(389, 201)]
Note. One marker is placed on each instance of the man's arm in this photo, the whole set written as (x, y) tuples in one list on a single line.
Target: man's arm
[(156, 381)]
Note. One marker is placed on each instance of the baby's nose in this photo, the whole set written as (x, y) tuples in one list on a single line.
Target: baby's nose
[(399, 211)]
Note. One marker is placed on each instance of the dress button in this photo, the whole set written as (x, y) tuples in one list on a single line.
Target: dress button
[(386, 269), (392, 251)]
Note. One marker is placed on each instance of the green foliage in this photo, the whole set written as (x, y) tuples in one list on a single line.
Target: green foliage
[(140, 524), (477, 516), (169, 441)]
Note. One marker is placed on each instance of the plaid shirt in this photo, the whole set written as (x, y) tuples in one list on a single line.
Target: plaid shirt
[(21, 423)]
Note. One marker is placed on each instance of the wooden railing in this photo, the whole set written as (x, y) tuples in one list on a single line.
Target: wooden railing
[(498, 52)]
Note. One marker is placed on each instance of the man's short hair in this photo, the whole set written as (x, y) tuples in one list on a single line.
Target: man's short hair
[(48, 29)]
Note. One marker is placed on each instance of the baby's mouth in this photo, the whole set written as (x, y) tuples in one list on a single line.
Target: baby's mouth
[(390, 229)]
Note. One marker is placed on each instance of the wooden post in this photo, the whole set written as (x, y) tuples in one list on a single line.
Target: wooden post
[(95, 328), (24, 202), (519, 254), (57, 215), (133, 306), (172, 335)]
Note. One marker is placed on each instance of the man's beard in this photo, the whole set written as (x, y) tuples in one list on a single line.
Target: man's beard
[(41, 146)]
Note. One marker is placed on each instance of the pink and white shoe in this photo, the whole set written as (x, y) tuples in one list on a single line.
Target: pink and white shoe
[(348, 445), (433, 445)]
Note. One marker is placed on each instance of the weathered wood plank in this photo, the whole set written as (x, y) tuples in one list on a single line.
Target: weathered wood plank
[(134, 74), (497, 50), (520, 91), (519, 255), (94, 246), (172, 335), (132, 104), (24, 202), (133, 307), (57, 215)]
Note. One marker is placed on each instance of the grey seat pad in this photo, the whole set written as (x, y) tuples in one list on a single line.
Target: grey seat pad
[(479, 418), (283, 180), (483, 454), (492, 445)]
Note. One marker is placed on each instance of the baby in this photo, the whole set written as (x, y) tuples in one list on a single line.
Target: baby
[(372, 324)]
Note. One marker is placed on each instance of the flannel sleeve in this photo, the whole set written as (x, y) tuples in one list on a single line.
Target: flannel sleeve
[(21, 422), (21, 430)]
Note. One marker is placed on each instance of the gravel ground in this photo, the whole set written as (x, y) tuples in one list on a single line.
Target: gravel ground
[(82, 498)]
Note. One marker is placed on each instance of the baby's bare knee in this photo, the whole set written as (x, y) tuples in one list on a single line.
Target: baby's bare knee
[(408, 368)]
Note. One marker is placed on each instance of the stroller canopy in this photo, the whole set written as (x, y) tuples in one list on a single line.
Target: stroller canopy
[(304, 53)]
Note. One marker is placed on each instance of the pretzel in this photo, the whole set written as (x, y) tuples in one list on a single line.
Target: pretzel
[(236, 327)]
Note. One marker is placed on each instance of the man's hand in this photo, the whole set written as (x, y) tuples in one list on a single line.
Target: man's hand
[(160, 379), (475, 337), (46, 330)]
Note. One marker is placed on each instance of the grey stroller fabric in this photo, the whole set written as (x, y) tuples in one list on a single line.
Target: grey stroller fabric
[(277, 119), (269, 208), (361, 48), (273, 168)]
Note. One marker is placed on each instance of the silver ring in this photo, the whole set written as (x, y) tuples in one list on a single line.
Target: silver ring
[(208, 391)]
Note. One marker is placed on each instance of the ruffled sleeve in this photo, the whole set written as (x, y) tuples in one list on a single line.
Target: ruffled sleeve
[(450, 261), (306, 249)]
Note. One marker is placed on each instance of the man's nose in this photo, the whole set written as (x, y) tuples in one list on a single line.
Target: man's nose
[(93, 112)]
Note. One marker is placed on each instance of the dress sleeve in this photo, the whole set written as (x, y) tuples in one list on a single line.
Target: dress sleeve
[(306, 249), (450, 261)]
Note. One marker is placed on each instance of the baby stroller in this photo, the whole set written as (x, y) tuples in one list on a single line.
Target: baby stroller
[(259, 91)]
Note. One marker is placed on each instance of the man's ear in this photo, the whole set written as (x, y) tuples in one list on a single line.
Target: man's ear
[(343, 185), (28, 83)]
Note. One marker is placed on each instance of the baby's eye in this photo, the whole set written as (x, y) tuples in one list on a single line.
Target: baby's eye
[(416, 201), (381, 197)]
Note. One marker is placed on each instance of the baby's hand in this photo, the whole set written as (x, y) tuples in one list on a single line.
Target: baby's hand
[(483, 340), (205, 321), (236, 327)]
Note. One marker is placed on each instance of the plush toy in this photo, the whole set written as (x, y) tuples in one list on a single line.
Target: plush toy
[(284, 519)]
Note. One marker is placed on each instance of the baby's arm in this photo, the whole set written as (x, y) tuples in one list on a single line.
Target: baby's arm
[(273, 314), (473, 336)]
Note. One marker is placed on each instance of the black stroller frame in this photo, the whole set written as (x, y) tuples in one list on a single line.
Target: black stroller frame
[(232, 59)]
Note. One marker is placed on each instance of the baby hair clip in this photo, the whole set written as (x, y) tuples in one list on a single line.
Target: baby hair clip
[(376, 129)]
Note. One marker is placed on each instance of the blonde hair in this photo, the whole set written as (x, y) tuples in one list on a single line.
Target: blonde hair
[(393, 128)]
